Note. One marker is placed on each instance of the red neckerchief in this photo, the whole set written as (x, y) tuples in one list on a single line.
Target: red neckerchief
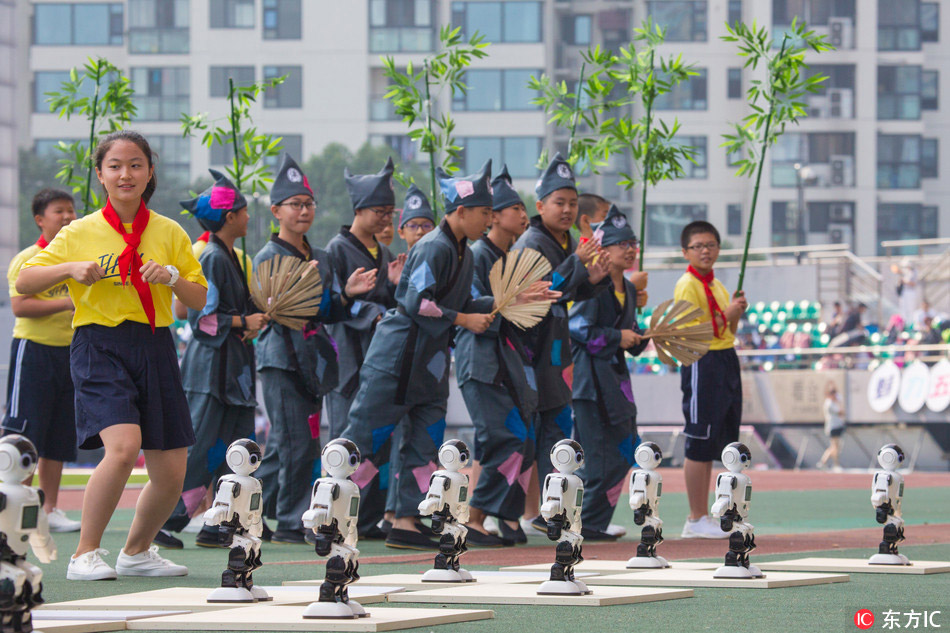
[(713, 304), (129, 260), (42, 243)]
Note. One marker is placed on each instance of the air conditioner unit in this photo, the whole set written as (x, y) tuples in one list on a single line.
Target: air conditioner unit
[(841, 32), (842, 171), (839, 213), (840, 103)]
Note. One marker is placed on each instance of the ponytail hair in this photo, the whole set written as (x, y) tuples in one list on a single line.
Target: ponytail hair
[(133, 137)]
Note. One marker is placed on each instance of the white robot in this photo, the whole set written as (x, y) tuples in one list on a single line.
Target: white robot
[(561, 502), (646, 487), (447, 504), (23, 525), (334, 506), (733, 497), (237, 508), (887, 489)]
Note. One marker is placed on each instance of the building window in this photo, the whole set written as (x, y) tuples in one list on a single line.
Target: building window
[(733, 158), (222, 155), (697, 168), (494, 90), (401, 26), (501, 22), (898, 25), (834, 98), (161, 94), (929, 152), (665, 222), (158, 26), (929, 22), (905, 221), (929, 89), (242, 76), (51, 81), (281, 19), (829, 156), (898, 92), (811, 12), (172, 155), (734, 219), (406, 150), (520, 153), (576, 29), (687, 95), (898, 161), (232, 14), (683, 21), (734, 83), (49, 147), (288, 94), (92, 24), (734, 12)]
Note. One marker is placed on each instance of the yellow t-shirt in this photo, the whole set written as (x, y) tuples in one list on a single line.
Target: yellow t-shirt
[(55, 329), (108, 302), (691, 289), (621, 297), (198, 248), (374, 251)]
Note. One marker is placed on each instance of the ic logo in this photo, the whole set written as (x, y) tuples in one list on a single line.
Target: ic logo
[(863, 619)]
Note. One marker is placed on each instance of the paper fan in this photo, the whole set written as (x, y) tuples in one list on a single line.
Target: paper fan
[(671, 336), (512, 275), (287, 290)]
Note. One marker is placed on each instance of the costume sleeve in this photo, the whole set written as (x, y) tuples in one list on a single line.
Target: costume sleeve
[(332, 308), (185, 261), (600, 341), (636, 350), (362, 313), (427, 265), (56, 252), (210, 326), (481, 289)]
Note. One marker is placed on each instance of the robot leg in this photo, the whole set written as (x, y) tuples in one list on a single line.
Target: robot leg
[(233, 579), (335, 579), (34, 578), (648, 541)]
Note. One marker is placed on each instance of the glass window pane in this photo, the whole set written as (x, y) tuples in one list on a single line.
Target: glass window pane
[(478, 150), (522, 21), (484, 17), (520, 156), (43, 82), (484, 90), (517, 94), (52, 24), (91, 24)]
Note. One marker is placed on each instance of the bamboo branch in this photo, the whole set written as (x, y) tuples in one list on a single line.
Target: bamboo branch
[(92, 138), (577, 109)]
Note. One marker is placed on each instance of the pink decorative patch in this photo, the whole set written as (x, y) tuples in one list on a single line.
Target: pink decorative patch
[(208, 324), (429, 309), (193, 498), (598, 236), (422, 474), (364, 474), (222, 198), (510, 344), (309, 331), (614, 493), (511, 467), (314, 422), (568, 376), (524, 479), (464, 188), (306, 183), (627, 391)]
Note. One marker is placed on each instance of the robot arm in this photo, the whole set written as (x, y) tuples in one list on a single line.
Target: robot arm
[(435, 499), (725, 502), (221, 510), (881, 497), (553, 509), (44, 547), (639, 496), (321, 505)]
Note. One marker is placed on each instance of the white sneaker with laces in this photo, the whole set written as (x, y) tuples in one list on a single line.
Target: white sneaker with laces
[(616, 530), (90, 566), (703, 527), (59, 522), (147, 563)]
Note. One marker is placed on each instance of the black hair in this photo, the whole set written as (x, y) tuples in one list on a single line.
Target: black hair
[(694, 228), (46, 197), (133, 137), (587, 204)]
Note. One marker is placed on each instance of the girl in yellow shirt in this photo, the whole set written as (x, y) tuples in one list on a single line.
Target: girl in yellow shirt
[(122, 264)]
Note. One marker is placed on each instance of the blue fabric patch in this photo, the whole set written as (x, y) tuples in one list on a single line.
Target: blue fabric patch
[(422, 277), (556, 280), (384, 476), (529, 376), (516, 425), (637, 441), (216, 455), (325, 301), (436, 366), (578, 326), (355, 308), (252, 436), (205, 211), (475, 293), (315, 471), (382, 434), (211, 303), (626, 449), (437, 432), (448, 189), (565, 421), (245, 383), (556, 353)]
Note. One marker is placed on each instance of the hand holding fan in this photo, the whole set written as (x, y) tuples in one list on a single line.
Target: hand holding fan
[(287, 290)]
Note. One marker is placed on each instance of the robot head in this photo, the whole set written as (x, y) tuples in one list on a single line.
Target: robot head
[(454, 455), (341, 458), (736, 457), (244, 456), (648, 455), (567, 456), (890, 457), (17, 458)]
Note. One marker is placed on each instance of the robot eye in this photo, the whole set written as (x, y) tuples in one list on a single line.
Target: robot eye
[(26, 461), (657, 456), (743, 458), (900, 458), (253, 459), (579, 456), (463, 457), (354, 459)]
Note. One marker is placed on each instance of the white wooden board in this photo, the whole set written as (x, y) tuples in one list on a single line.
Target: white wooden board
[(289, 618), (78, 626), (609, 566), (856, 566), (44, 615), (414, 582), (704, 578), (528, 594)]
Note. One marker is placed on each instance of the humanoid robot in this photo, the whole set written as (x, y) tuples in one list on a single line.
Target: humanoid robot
[(334, 506), (237, 509), (23, 525), (733, 497), (561, 502), (887, 489), (646, 487), (447, 503)]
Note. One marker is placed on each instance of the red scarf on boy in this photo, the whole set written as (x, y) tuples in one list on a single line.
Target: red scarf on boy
[(713, 304), (129, 260), (42, 243)]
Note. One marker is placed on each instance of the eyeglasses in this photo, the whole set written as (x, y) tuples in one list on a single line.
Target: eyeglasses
[(382, 213), (629, 244), (421, 226), (300, 206), (708, 246)]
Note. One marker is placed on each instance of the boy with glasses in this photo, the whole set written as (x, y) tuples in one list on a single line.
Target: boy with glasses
[(712, 388), (416, 218)]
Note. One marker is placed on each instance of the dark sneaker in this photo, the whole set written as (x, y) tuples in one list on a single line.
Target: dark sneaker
[(266, 533), (592, 535), (289, 537), (372, 534), (166, 539), (407, 539), (385, 526), (483, 539), (212, 536), (518, 537)]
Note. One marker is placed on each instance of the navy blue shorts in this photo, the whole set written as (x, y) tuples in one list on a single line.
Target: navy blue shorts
[(129, 375), (712, 404), (40, 399)]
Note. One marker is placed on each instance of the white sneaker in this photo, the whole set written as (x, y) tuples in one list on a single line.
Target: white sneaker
[(194, 526), (616, 530), (90, 566), (491, 525), (703, 527), (147, 563), (528, 527), (59, 522)]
